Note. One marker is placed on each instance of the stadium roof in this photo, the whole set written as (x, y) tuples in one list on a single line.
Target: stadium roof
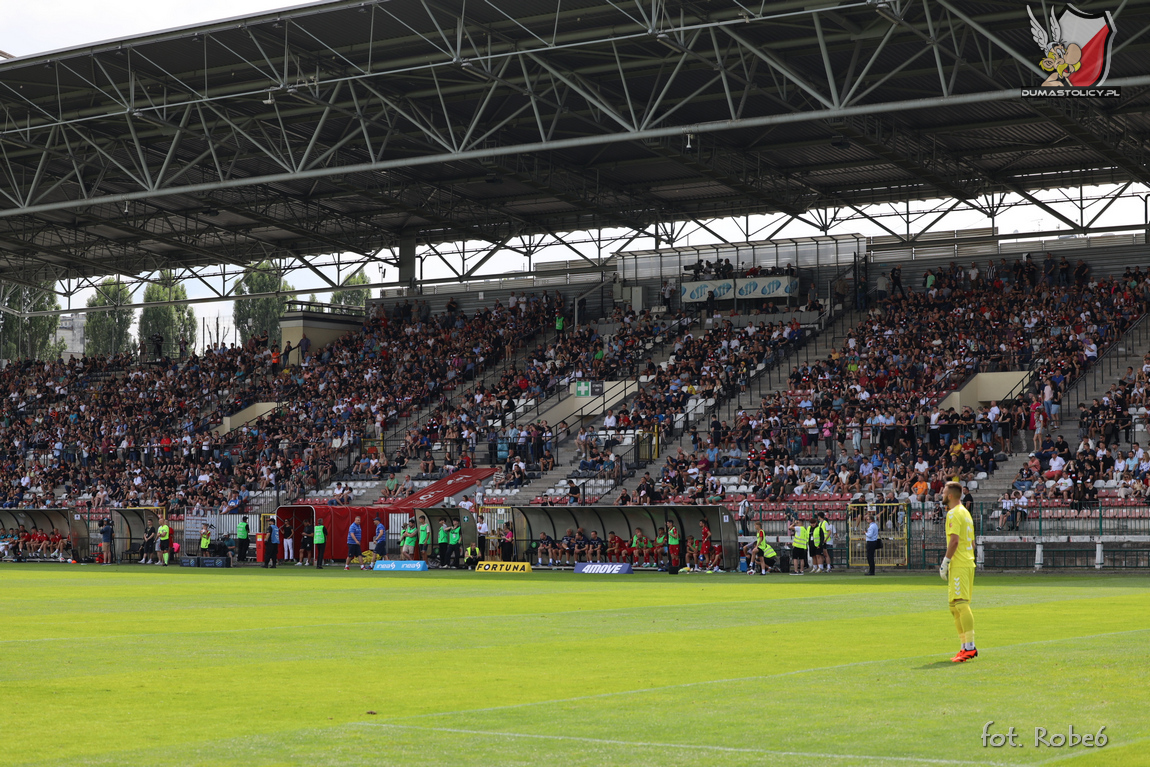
[(344, 126)]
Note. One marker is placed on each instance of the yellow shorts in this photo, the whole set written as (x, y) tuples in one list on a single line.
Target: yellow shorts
[(961, 584)]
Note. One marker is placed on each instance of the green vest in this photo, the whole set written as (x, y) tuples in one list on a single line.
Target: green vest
[(453, 535), (766, 549), (802, 535), (164, 532), (424, 535), (443, 535), (319, 534), (204, 541), (559, 322), (242, 530), (818, 535), (673, 536)]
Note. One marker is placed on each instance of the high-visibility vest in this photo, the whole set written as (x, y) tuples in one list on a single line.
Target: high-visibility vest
[(204, 541), (768, 551), (164, 531), (802, 535), (242, 530), (472, 551), (319, 534), (818, 535), (453, 535)]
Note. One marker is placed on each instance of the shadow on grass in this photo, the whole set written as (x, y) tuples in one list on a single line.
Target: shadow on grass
[(937, 664)]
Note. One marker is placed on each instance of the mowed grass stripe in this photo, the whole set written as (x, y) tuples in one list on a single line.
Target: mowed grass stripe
[(293, 679)]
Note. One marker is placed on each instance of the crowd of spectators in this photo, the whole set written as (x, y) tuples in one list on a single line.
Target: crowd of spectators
[(117, 431), (866, 418)]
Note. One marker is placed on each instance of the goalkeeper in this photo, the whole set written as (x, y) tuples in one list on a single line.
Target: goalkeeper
[(958, 569)]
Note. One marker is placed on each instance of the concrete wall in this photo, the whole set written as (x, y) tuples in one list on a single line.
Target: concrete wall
[(321, 329), (592, 407), (983, 388), (249, 413)]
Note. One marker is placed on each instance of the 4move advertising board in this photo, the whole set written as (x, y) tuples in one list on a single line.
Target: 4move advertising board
[(603, 568), (746, 288)]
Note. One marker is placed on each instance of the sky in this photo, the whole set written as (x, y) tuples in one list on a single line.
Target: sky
[(36, 27)]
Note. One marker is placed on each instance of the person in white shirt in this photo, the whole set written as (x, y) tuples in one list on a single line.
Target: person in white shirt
[(481, 530), (609, 420)]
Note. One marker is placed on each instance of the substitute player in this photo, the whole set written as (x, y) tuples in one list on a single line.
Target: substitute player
[(957, 569)]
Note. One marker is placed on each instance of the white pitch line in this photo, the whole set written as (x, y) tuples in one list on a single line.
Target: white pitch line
[(686, 746), (643, 690)]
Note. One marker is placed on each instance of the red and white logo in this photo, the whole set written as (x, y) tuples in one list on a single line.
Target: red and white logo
[(1076, 47)]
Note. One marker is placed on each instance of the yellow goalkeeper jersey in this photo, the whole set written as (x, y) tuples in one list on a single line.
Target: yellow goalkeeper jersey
[(958, 522)]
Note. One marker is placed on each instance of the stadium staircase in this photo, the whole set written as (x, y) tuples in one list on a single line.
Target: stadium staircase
[(764, 385), (1127, 352)]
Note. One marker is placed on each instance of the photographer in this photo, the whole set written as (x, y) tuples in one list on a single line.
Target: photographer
[(205, 539)]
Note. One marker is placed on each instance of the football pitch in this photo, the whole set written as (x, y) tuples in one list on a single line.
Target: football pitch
[(134, 665)]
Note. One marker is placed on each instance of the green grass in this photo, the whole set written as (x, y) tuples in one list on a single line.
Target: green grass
[(131, 665)]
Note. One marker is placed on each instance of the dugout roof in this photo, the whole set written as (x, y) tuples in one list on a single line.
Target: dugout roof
[(345, 126)]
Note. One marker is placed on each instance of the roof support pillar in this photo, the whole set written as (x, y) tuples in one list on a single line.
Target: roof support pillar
[(407, 258)]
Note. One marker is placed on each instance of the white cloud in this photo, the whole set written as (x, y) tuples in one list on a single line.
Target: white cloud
[(36, 27)]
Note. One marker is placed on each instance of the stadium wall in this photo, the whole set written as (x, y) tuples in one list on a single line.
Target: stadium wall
[(321, 329)]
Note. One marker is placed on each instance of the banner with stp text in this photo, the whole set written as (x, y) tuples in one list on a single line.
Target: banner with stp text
[(744, 288)]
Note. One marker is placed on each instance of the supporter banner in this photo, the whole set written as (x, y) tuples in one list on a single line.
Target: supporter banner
[(603, 568), (746, 288), (407, 567), (434, 494), (693, 292), (767, 287), (503, 567)]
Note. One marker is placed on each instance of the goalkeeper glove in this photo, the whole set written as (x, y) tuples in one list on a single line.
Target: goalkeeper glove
[(944, 568)]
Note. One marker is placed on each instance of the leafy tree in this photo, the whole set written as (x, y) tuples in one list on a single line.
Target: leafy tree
[(172, 322), (33, 337), (352, 297), (252, 316), (109, 332)]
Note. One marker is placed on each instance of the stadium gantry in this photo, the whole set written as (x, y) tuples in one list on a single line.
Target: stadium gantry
[(360, 131)]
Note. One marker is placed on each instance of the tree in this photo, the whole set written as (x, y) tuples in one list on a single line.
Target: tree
[(253, 316), (172, 322), (109, 332), (31, 337), (352, 297)]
